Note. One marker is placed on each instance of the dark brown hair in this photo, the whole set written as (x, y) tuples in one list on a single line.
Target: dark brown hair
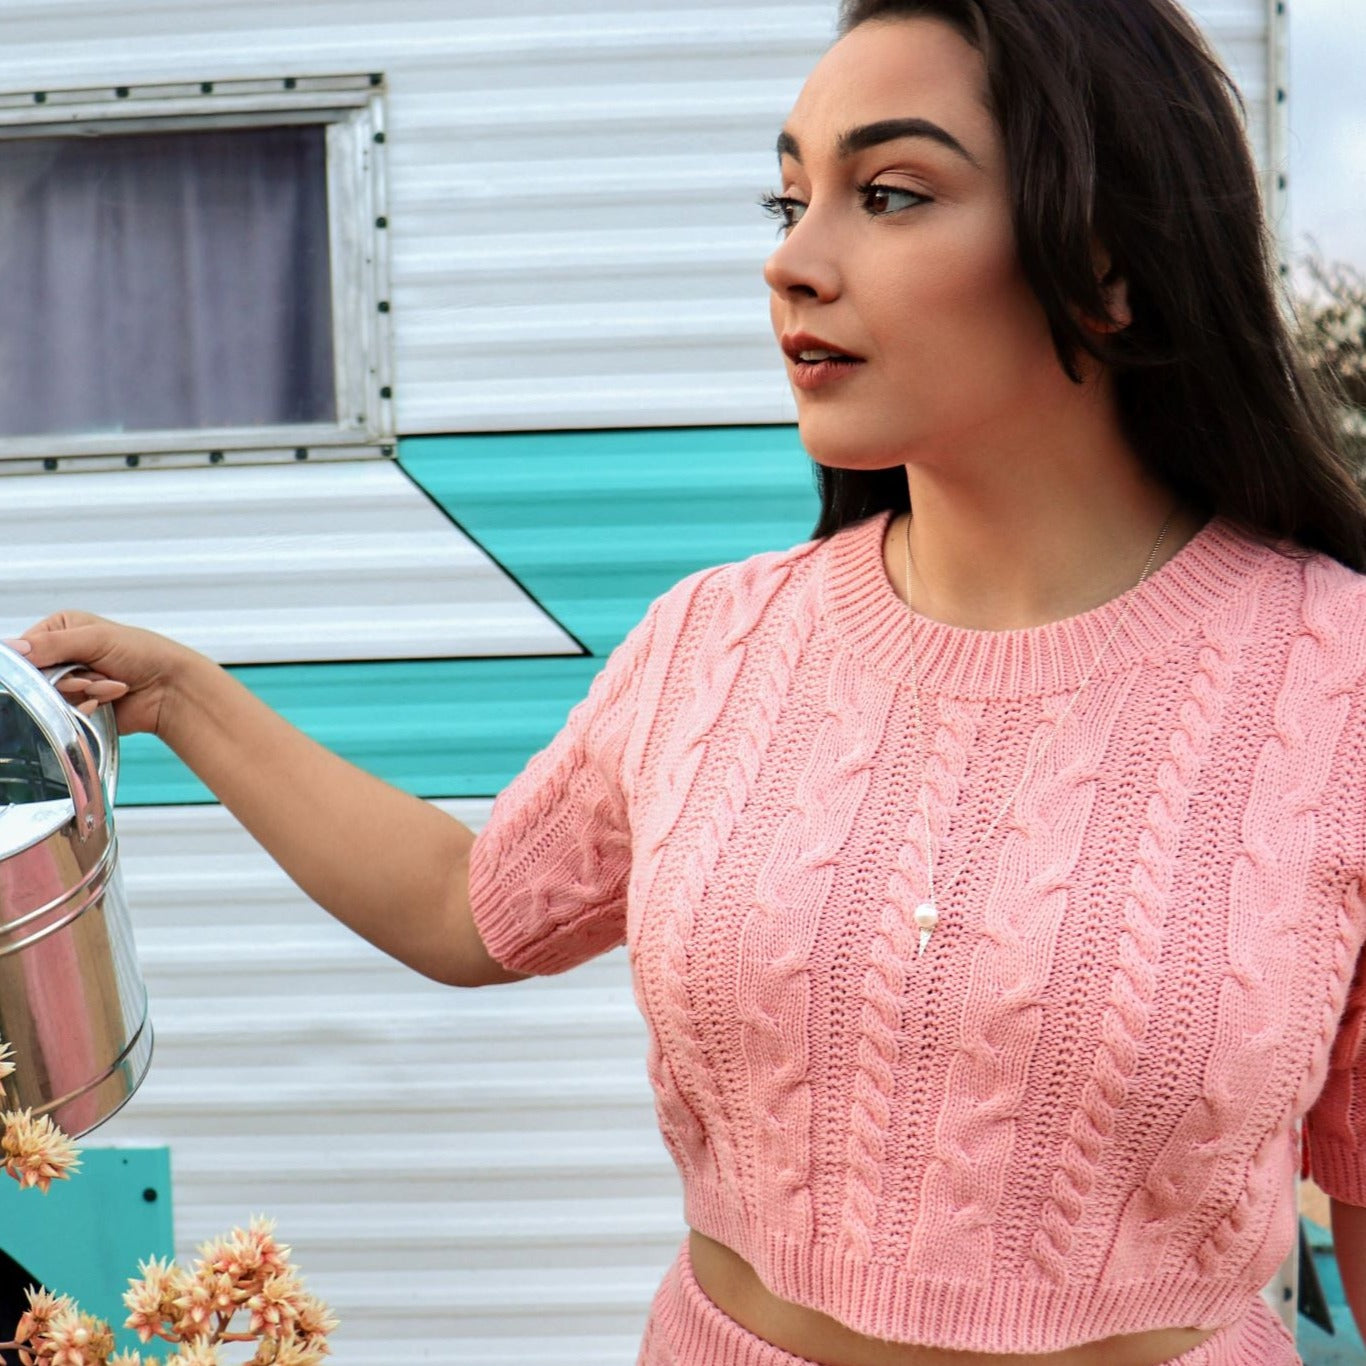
[(1119, 120)]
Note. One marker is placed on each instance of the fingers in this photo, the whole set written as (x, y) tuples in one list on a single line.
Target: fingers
[(83, 684), (44, 645)]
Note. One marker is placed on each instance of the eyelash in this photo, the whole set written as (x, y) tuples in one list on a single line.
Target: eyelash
[(780, 206)]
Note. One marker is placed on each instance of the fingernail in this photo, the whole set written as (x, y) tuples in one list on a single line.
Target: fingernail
[(108, 687), (20, 645)]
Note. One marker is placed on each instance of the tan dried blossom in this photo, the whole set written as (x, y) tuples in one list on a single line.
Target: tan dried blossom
[(43, 1307), (296, 1352), (75, 1339), (315, 1319), (275, 1307), (248, 1256), (37, 1152), (151, 1300), (195, 1316), (6, 1061), (126, 1359), (195, 1354)]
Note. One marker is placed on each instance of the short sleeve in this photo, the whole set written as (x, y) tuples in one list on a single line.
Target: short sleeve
[(1334, 1138), (548, 872)]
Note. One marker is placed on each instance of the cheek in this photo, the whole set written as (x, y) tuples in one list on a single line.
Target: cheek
[(959, 311)]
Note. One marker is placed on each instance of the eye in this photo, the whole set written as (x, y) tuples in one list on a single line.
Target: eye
[(883, 190), (780, 206), (784, 206)]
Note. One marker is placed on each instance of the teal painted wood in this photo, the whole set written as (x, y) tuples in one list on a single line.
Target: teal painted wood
[(594, 525), (436, 728), (86, 1236)]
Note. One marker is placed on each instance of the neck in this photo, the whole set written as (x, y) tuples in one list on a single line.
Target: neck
[(1017, 557)]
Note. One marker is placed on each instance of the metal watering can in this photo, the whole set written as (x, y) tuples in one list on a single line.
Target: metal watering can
[(73, 1005)]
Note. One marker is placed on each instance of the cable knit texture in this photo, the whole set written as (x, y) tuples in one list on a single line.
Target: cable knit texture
[(1079, 1112)]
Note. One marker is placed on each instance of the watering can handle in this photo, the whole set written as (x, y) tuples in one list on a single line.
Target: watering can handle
[(72, 737), (105, 728)]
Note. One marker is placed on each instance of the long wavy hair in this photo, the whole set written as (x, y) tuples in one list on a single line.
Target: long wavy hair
[(1119, 120)]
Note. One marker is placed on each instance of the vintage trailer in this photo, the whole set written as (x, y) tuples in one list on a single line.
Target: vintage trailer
[(481, 362)]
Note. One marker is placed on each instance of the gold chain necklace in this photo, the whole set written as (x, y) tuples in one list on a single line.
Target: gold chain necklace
[(927, 913)]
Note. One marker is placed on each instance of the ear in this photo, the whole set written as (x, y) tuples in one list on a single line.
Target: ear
[(1115, 291)]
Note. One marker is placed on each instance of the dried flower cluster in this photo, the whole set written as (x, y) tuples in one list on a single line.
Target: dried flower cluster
[(247, 1273), (37, 1153)]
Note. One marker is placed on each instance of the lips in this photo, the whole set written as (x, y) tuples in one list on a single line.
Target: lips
[(795, 343)]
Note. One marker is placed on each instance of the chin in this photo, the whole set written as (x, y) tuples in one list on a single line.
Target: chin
[(830, 442)]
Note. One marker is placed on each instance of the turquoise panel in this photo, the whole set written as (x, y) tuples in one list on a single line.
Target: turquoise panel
[(593, 525), (85, 1237)]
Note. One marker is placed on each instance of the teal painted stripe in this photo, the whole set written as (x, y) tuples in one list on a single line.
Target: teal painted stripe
[(85, 1237), (594, 525), (436, 728)]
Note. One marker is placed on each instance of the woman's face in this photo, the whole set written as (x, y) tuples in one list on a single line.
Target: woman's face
[(918, 275)]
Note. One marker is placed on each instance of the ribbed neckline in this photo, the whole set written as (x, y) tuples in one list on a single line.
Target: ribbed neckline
[(861, 605)]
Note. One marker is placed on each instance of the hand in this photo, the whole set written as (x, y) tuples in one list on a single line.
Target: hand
[(134, 669)]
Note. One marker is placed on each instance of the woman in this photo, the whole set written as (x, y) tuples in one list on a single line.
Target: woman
[(991, 875)]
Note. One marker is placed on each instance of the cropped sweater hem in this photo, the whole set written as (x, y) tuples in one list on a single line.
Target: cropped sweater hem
[(882, 1300)]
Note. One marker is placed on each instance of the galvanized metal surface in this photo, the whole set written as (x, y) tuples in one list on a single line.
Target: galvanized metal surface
[(466, 1176), (574, 234)]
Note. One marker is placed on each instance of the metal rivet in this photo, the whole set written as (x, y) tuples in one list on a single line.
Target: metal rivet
[(215, 457), (39, 97), (132, 461), (376, 78), (1280, 95), (379, 137), (381, 222), (149, 1194), (386, 450), (121, 93), (301, 453), (386, 392), (206, 87), (50, 463), (1280, 182), (290, 82), (384, 305)]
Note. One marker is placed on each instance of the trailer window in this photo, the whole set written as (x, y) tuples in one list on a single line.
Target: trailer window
[(193, 278)]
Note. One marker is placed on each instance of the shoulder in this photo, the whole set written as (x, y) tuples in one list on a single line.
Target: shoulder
[(1332, 598), (746, 588)]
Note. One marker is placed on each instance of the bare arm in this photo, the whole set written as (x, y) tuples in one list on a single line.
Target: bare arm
[(1349, 1247), (389, 865)]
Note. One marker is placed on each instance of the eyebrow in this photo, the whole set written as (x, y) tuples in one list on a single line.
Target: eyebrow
[(887, 130)]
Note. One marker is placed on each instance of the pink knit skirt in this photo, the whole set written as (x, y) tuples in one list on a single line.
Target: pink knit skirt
[(685, 1328)]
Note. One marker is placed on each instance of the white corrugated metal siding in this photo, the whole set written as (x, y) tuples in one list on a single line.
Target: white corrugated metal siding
[(265, 564), (574, 235)]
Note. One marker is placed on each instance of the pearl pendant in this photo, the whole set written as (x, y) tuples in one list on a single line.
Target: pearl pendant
[(926, 917)]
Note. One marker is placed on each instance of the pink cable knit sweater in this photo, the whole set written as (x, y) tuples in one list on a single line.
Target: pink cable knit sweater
[(1076, 1114)]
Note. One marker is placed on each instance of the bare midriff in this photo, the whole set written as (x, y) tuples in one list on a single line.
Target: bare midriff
[(735, 1288)]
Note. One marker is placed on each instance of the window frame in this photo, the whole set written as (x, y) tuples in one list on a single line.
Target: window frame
[(351, 108)]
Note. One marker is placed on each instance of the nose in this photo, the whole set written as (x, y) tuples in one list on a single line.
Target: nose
[(801, 266)]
